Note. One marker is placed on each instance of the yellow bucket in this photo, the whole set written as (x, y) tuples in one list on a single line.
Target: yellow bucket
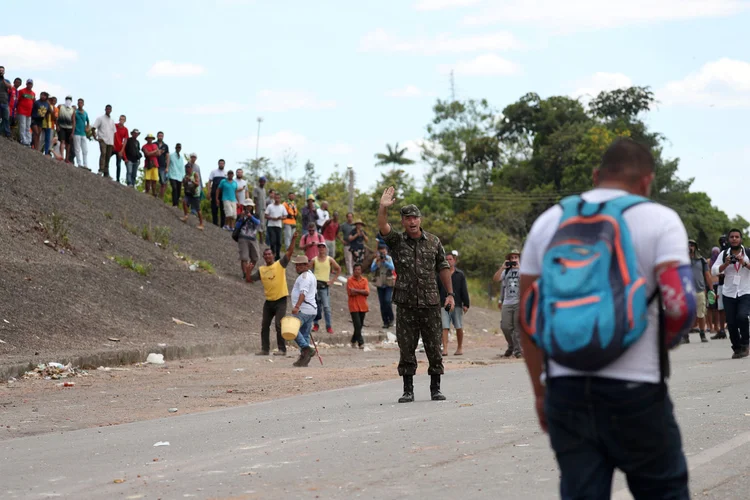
[(290, 327)]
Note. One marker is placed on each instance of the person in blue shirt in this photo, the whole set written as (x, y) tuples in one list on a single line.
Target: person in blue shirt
[(383, 269), (79, 136), (226, 195)]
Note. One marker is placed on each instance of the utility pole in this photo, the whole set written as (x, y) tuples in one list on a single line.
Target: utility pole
[(257, 140), (453, 88), (350, 174)]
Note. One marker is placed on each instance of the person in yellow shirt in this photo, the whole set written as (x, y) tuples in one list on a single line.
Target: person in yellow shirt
[(273, 277), (290, 221), (326, 270)]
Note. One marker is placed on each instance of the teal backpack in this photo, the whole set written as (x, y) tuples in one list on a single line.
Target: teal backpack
[(590, 303)]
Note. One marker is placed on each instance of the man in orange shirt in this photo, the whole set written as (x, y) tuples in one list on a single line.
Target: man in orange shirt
[(358, 288)]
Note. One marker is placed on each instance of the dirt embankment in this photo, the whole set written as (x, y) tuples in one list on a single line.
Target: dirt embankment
[(64, 299)]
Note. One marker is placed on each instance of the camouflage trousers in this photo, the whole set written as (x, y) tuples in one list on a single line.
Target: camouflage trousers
[(411, 323)]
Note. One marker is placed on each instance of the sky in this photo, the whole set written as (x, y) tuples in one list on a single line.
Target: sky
[(335, 80)]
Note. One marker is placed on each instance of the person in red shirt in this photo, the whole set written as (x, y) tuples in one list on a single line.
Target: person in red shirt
[(121, 137), (151, 167), (358, 288), (26, 98), (330, 230)]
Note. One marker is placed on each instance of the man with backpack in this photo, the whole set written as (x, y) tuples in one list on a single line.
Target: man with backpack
[(598, 271), (702, 282), (734, 263), (191, 186)]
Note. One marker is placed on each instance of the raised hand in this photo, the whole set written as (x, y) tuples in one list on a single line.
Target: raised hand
[(389, 197)]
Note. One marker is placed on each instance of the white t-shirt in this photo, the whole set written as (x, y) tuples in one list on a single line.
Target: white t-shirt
[(275, 211), (105, 129), (241, 186), (658, 236), (308, 285), (217, 172), (323, 216)]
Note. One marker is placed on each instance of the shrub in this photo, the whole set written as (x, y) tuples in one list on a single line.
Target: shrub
[(129, 263), (204, 265), (160, 235), (57, 228)]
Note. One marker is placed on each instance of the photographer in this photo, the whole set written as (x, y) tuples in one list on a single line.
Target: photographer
[(508, 276), (735, 265), (382, 267)]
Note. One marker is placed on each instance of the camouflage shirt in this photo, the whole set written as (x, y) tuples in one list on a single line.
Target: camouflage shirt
[(416, 261)]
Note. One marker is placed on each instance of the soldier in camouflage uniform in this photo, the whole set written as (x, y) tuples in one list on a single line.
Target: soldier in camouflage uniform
[(417, 255)]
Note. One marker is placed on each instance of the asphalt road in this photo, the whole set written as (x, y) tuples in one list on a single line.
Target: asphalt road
[(358, 443)]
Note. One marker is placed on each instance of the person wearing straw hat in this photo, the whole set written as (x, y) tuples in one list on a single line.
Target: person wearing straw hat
[(304, 307), (703, 284), (357, 239), (273, 278), (246, 231), (417, 256), (509, 277), (151, 152)]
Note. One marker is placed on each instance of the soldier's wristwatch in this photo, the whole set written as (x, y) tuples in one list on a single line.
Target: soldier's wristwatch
[(451, 294)]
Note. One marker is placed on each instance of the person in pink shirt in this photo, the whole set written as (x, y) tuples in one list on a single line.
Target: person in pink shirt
[(309, 242)]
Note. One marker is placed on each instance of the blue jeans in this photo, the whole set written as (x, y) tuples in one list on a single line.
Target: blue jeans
[(385, 296), (303, 336), (131, 173), (597, 425), (47, 140), (5, 119), (323, 298)]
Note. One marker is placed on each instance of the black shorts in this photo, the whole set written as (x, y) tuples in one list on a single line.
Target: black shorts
[(194, 203), (37, 122), (65, 134)]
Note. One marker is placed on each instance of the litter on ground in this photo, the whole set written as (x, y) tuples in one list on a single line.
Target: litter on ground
[(155, 359)]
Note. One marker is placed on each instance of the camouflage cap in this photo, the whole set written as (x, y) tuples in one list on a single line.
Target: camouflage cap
[(410, 211)]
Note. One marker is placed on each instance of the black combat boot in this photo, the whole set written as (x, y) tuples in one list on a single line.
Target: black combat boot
[(408, 396), (435, 388)]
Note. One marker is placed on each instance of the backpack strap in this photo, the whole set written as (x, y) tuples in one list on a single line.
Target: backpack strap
[(626, 202)]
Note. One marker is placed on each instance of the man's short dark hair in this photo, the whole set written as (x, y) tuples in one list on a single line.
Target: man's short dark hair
[(221, 160), (349, 213), (17, 80), (2, 67), (123, 116), (178, 144), (107, 106), (357, 264), (160, 132), (735, 230), (626, 159)]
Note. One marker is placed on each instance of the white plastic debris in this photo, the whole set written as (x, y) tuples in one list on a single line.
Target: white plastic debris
[(56, 365), (390, 338), (155, 359), (193, 267), (161, 443), (367, 348)]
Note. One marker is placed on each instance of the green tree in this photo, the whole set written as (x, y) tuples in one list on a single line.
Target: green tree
[(255, 168)]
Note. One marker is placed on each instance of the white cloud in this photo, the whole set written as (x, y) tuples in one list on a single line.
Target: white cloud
[(484, 65), (600, 82), (275, 143), (53, 89), (572, 15), (382, 41), (171, 68), (286, 100), (408, 91), (219, 108), (17, 53), (721, 83), (340, 148), (444, 4)]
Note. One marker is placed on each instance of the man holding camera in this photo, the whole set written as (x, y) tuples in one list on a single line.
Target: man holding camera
[(735, 265), (508, 276), (382, 268)]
